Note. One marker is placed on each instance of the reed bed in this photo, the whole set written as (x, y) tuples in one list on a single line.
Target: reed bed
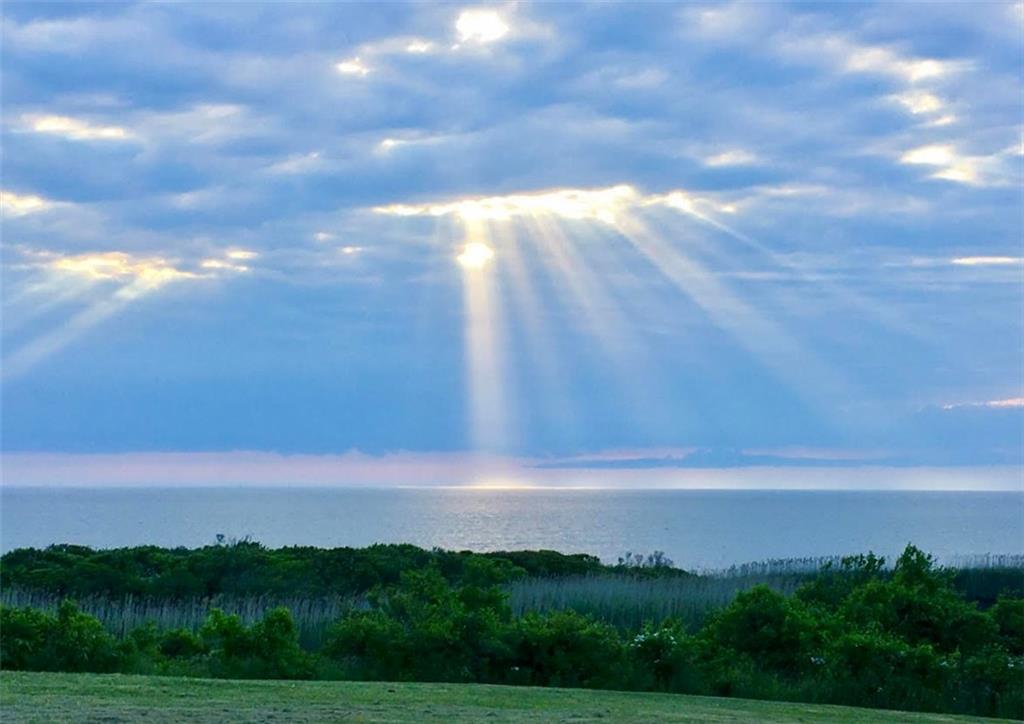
[(629, 602), (312, 616)]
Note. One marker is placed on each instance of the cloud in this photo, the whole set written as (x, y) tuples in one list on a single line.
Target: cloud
[(297, 164), (851, 55), (732, 157), (480, 26), (952, 165), (75, 129), (150, 272), (14, 205), (411, 469), (568, 203), (244, 135), (987, 261), (919, 102), (1010, 403), (147, 273), (352, 66)]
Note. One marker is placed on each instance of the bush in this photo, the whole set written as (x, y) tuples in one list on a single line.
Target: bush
[(180, 643), (918, 605), (881, 670), (270, 649), (665, 659), (1008, 614), (778, 634), (425, 629), (567, 649), (70, 641)]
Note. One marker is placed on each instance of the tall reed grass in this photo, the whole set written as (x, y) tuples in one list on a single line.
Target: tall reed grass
[(625, 600), (629, 602), (312, 616)]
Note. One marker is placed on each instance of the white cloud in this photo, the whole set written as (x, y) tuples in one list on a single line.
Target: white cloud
[(481, 26), (951, 165), (730, 21), (918, 102), (733, 157), (207, 123), (569, 203), (689, 203), (352, 66), (420, 46), (75, 129), (885, 61), (987, 261), (14, 205), (605, 205), (297, 164), (388, 143), (1009, 403), (149, 272)]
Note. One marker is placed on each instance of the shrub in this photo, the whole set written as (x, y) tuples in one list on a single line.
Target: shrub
[(777, 633), (427, 630), (881, 670), (567, 649), (1008, 614), (180, 643), (665, 658), (270, 649), (69, 641)]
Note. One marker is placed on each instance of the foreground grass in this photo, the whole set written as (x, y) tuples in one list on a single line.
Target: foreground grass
[(30, 697)]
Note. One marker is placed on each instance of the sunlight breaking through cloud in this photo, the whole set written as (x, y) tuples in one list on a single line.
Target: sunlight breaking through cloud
[(13, 205), (149, 272), (135, 276), (486, 357), (74, 128), (597, 204), (480, 26), (475, 255)]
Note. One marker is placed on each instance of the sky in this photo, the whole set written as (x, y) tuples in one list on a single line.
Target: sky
[(511, 244)]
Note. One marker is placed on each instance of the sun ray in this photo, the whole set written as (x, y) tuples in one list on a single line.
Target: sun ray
[(30, 354), (547, 370), (485, 354), (39, 298), (885, 314), (636, 373), (766, 340)]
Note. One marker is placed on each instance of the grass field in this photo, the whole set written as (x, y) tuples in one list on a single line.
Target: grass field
[(29, 697)]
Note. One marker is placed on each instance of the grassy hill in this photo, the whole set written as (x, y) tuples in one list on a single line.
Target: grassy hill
[(32, 697)]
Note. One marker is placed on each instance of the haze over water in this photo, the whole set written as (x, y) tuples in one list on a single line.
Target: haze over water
[(695, 528)]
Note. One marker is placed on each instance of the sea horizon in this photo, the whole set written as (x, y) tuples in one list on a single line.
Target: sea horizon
[(700, 529)]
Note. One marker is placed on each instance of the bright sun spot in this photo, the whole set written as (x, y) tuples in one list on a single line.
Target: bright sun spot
[(475, 256), (480, 26)]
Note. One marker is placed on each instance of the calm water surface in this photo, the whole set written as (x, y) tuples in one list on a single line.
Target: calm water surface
[(695, 528)]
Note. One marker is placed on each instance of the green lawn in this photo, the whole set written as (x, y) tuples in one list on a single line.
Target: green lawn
[(26, 697)]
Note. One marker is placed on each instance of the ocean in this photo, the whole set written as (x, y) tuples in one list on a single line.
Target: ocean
[(700, 529)]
